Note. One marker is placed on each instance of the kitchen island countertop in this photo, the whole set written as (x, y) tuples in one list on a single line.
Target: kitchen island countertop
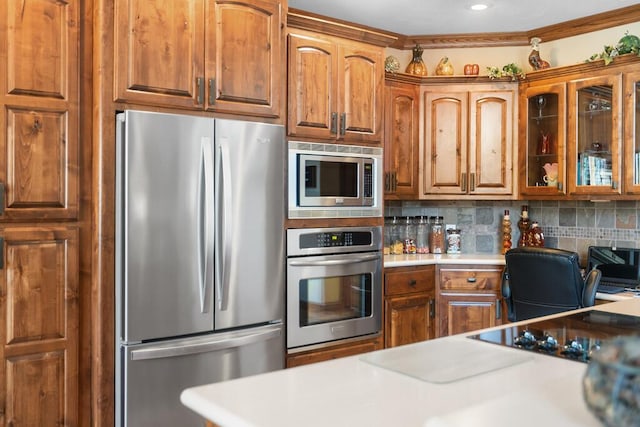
[(529, 391)]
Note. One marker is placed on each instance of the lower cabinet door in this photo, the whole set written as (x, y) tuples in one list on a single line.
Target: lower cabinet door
[(409, 319), (459, 313)]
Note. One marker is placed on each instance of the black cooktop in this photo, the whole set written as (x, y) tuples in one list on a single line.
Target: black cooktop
[(572, 337)]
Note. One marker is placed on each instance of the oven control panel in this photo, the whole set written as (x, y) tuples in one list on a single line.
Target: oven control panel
[(333, 240)]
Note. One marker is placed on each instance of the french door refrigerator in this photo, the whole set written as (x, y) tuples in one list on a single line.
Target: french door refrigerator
[(200, 259)]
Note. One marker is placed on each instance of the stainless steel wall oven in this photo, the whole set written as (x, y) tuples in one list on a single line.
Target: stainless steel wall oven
[(334, 284)]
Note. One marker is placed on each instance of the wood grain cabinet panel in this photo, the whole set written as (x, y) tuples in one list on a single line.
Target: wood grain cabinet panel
[(335, 89), (468, 141), (39, 312), (468, 298), (401, 141), (219, 55), (409, 305), (40, 126)]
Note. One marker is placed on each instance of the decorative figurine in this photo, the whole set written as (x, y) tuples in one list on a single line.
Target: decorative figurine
[(534, 57), (416, 66)]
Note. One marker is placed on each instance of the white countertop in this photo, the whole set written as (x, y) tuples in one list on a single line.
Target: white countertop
[(427, 259), (539, 390)]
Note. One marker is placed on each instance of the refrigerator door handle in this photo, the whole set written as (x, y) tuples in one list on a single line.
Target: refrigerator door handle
[(215, 344), (205, 229), (224, 226)]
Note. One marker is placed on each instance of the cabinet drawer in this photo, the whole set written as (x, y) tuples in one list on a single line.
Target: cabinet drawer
[(471, 279), (402, 281)]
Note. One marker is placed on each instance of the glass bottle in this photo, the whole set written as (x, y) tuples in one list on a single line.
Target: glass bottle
[(436, 238), (409, 236), (396, 243), (506, 232), (422, 236), (453, 241), (523, 225)]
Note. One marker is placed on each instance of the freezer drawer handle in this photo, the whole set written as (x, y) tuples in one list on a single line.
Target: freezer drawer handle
[(351, 260), (205, 347)]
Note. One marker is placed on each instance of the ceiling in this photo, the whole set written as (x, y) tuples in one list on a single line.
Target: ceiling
[(445, 17)]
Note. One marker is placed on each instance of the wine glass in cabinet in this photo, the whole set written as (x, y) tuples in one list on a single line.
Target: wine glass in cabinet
[(542, 154), (595, 135)]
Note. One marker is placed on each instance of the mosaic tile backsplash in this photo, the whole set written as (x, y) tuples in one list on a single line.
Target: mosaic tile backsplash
[(570, 225)]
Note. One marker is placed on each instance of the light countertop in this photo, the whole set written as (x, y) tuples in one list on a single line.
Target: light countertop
[(522, 388), (427, 259)]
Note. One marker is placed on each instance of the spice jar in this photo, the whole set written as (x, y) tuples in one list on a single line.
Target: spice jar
[(436, 238), (422, 236), (453, 241)]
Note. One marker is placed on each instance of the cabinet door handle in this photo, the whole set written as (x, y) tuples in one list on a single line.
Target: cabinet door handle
[(463, 182), (472, 182), (614, 185), (559, 186), (334, 123), (498, 309), (200, 91), (394, 181), (432, 308), (387, 188), (343, 124), (212, 91)]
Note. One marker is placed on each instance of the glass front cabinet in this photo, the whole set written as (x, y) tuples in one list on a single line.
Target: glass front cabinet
[(595, 134), (631, 136), (543, 157)]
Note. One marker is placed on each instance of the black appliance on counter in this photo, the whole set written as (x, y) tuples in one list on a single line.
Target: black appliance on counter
[(572, 337)]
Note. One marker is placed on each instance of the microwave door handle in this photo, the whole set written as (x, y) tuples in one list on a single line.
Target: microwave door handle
[(224, 227), (353, 260), (204, 238)]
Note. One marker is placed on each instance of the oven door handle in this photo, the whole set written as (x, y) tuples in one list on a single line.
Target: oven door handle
[(351, 260)]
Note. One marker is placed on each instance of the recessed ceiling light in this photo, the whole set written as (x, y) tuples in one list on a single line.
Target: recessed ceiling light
[(479, 6)]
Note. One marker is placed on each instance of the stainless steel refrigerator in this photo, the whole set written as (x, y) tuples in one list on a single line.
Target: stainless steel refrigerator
[(200, 259)]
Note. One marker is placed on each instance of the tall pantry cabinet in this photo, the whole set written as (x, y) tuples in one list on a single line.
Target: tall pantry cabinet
[(39, 213)]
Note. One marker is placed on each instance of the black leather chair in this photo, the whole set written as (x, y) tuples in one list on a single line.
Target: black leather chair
[(541, 281)]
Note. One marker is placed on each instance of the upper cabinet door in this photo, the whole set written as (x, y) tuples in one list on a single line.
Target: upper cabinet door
[(543, 152), (401, 141), (632, 133), (159, 49), (312, 84), (445, 143), (491, 142), (244, 57), (595, 133), (39, 64), (360, 103)]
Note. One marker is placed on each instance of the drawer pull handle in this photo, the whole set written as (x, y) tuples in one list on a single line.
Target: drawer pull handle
[(413, 283), (471, 279)]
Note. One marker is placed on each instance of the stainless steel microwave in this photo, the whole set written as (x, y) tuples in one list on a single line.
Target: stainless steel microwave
[(333, 180)]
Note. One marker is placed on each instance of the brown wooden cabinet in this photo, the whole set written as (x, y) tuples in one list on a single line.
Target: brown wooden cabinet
[(468, 140), (409, 305), (330, 352), (39, 213), (401, 140), (335, 88), (220, 55), (468, 298), (590, 112)]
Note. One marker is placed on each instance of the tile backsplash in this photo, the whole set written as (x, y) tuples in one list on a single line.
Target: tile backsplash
[(570, 225)]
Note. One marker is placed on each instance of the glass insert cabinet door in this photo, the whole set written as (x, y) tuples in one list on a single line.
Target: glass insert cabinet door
[(545, 140), (595, 135), (632, 133)]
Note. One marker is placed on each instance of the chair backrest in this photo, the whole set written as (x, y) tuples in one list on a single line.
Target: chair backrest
[(541, 281)]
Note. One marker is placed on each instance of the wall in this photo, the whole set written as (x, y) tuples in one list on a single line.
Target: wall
[(567, 51), (570, 225)]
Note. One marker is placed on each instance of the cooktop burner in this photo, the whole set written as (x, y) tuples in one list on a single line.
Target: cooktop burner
[(573, 337)]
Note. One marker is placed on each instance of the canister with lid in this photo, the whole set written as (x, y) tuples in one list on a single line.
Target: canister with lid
[(436, 238), (409, 236), (453, 241), (422, 236), (394, 236)]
